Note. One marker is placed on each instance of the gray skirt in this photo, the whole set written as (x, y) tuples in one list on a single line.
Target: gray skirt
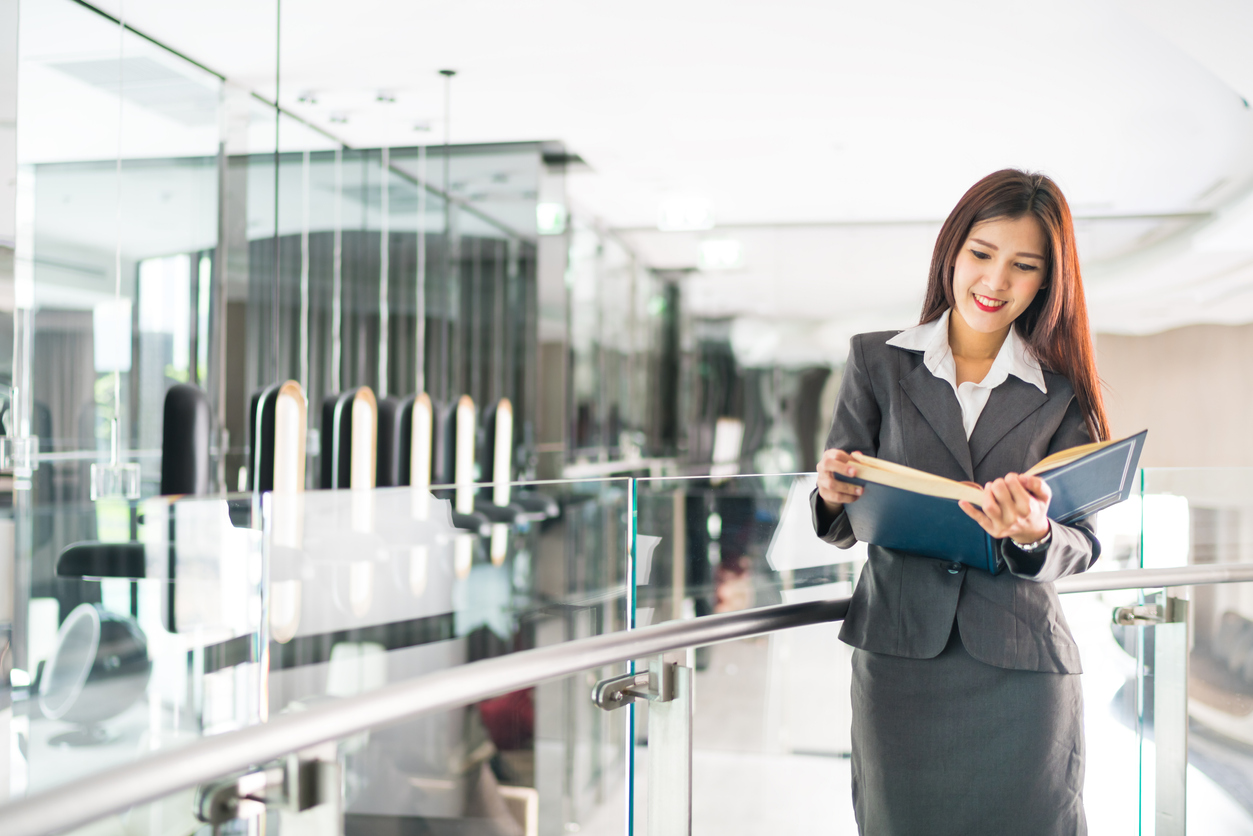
[(953, 746)]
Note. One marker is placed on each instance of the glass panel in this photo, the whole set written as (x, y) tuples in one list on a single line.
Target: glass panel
[(136, 194), (1198, 680), (373, 587), (719, 544), (617, 318), (149, 635), (772, 715)]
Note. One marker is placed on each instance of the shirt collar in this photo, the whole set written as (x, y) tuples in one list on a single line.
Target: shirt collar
[(931, 338)]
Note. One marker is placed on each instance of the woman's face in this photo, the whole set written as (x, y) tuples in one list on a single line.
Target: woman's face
[(999, 270)]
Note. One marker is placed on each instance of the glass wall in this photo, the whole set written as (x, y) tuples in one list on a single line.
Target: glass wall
[(623, 352), (181, 240)]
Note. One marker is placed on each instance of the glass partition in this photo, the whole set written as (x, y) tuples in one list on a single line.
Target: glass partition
[(1197, 691), (373, 587), (771, 715), (776, 709), (149, 635), (200, 616), (724, 543)]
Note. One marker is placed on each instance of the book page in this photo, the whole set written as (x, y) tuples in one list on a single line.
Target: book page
[(1070, 454), (910, 479)]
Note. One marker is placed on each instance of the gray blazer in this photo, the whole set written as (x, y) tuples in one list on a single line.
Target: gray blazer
[(892, 407)]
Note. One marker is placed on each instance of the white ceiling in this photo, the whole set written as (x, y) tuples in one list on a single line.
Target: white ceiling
[(805, 125)]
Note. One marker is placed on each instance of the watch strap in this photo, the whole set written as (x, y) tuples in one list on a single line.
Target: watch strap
[(1038, 545)]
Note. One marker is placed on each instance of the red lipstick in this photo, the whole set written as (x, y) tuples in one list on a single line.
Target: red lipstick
[(988, 308)]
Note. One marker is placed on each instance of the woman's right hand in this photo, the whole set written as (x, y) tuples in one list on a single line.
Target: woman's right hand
[(836, 494)]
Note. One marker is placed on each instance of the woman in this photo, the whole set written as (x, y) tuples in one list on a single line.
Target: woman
[(967, 712)]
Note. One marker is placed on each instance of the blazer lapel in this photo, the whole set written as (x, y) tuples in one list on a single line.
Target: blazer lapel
[(937, 402), (1008, 405)]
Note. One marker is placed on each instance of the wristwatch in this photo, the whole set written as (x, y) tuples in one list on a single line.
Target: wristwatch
[(1039, 545)]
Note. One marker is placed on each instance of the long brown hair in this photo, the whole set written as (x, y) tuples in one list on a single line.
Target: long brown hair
[(1055, 324)]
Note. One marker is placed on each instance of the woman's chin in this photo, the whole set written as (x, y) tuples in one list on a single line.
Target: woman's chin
[(985, 322)]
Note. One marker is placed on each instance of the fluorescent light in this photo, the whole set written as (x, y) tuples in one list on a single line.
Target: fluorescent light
[(720, 254), (682, 213)]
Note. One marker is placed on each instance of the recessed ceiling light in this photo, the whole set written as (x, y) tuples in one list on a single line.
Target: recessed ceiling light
[(308, 97), (339, 118), (385, 96), (422, 127)]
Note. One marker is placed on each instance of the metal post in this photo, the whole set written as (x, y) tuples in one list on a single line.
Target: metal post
[(1170, 724), (670, 754), (1166, 615), (667, 688)]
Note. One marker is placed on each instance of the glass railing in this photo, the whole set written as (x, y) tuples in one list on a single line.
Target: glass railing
[(1198, 671), (772, 715), (195, 617), (255, 610), (369, 588), (144, 632)]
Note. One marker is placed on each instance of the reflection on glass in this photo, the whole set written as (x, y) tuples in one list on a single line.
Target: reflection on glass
[(162, 647), (1198, 687), (402, 594)]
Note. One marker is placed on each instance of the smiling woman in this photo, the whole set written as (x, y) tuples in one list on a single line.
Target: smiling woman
[(1024, 215), (996, 376), (996, 277)]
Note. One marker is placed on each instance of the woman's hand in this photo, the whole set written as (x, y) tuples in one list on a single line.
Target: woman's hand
[(836, 494), (1015, 507)]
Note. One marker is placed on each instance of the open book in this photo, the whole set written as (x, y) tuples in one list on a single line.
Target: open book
[(914, 511)]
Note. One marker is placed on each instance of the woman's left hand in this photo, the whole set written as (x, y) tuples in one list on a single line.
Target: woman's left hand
[(1015, 507)]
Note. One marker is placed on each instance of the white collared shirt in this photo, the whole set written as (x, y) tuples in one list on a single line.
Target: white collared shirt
[(1014, 358)]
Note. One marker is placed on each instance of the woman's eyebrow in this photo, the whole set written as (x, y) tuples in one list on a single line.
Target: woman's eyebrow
[(992, 246)]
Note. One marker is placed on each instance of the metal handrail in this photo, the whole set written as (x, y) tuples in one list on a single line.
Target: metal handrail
[(91, 798), (1155, 578)]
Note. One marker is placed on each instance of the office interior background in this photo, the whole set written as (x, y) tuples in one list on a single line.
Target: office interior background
[(646, 234)]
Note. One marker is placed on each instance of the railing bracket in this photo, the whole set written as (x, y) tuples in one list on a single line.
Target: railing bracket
[(293, 783), (1163, 609), (654, 685)]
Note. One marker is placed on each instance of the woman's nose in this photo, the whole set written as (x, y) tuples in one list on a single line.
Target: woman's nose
[(998, 278)]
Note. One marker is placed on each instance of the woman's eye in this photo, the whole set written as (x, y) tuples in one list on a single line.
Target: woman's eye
[(980, 256), (1026, 267)]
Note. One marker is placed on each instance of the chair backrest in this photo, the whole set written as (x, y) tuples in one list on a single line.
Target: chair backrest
[(187, 431), (277, 429), (395, 441), (350, 429)]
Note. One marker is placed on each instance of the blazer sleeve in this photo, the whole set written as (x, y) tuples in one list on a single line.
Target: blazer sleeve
[(1074, 548), (854, 427)]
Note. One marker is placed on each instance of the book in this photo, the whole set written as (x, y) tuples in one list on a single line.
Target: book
[(913, 511)]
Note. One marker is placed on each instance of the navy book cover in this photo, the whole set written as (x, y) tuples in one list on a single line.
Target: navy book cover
[(930, 526)]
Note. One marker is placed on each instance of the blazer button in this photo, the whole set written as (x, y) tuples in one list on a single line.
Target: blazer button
[(954, 568)]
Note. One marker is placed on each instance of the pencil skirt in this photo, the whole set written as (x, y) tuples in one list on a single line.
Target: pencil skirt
[(953, 746)]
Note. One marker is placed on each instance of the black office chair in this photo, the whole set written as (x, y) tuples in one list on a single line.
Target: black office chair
[(395, 441), (187, 431)]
